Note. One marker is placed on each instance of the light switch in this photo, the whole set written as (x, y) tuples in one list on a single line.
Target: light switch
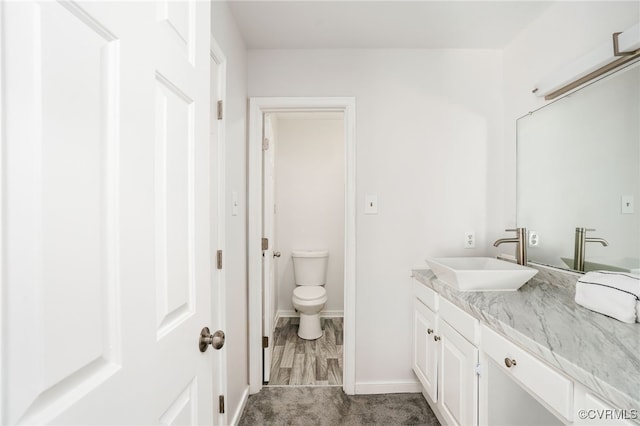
[(627, 204), (371, 204), (234, 203)]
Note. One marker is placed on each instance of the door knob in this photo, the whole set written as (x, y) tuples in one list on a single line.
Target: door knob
[(206, 338), (276, 254), (509, 362)]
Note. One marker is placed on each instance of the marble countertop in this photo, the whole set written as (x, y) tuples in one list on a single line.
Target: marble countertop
[(599, 352)]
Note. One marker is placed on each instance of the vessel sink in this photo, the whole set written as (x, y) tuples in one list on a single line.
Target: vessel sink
[(480, 273)]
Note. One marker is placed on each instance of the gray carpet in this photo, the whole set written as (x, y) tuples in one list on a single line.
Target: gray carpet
[(331, 406)]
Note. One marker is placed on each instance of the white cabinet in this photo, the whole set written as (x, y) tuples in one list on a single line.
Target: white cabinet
[(444, 360), (474, 376)]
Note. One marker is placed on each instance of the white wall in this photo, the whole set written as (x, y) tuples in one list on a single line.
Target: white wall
[(309, 196), (225, 32), (564, 32), (428, 142)]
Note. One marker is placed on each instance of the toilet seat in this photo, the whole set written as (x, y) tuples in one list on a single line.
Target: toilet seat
[(309, 293)]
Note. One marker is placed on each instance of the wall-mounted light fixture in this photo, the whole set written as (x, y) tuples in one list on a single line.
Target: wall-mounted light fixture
[(623, 48)]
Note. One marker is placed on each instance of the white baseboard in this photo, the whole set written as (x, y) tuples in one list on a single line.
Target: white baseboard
[(240, 409), (294, 314), (387, 387)]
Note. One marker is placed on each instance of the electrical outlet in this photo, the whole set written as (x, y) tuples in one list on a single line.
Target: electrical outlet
[(469, 240), (534, 239)]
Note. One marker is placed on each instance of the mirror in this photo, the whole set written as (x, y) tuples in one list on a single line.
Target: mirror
[(578, 166)]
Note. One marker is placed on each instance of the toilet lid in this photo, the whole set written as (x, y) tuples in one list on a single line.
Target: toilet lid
[(311, 292)]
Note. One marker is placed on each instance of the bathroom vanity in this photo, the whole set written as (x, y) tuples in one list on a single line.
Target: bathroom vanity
[(526, 357)]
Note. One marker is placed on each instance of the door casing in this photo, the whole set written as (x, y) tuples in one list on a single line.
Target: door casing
[(258, 106)]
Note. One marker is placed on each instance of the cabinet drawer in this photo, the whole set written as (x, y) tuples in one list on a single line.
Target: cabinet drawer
[(538, 378), (461, 321), (426, 295)]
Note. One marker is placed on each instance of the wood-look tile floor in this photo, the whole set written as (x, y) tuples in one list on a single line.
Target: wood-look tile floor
[(295, 361)]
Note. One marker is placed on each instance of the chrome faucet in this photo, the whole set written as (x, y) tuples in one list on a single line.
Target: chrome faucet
[(521, 244), (581, 241)]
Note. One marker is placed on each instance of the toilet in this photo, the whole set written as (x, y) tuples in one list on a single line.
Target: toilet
[(309, 296)]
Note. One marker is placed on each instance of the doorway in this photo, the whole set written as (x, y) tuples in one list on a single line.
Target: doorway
[(261, 108), (303, 212)]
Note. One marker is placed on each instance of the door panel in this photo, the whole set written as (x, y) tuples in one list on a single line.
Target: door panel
[(105, 215), (183, 409), (61, 230), (174, 206), (177, 23)]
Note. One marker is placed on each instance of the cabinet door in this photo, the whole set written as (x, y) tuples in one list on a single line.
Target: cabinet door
[(458, 382), (425, 355)]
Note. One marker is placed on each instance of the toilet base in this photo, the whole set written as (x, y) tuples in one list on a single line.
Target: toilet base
[(309, 328)]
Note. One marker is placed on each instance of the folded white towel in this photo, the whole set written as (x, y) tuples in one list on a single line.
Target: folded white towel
[(615, 294)]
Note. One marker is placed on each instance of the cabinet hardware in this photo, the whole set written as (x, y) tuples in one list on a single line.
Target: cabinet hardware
[(429, 330), (436, 338), (509, 362)]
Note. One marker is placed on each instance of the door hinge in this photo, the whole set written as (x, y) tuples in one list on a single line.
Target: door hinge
[(265, 244), (219, 259), (221, 404), (265, 144), (220, 107), (265, 342), (478, 369)]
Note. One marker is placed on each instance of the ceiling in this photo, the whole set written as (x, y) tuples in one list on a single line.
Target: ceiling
[(305, 24)]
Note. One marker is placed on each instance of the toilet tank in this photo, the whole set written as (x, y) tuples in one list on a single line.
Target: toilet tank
[(310, 266)]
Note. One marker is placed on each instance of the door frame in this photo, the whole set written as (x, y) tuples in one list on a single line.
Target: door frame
[(257, 107), (218, 305)]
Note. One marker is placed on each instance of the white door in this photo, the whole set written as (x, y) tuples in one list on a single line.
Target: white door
[(457, 379), (268, 228), (105, 213)]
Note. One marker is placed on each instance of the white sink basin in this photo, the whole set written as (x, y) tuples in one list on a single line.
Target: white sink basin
[(480, 273)]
